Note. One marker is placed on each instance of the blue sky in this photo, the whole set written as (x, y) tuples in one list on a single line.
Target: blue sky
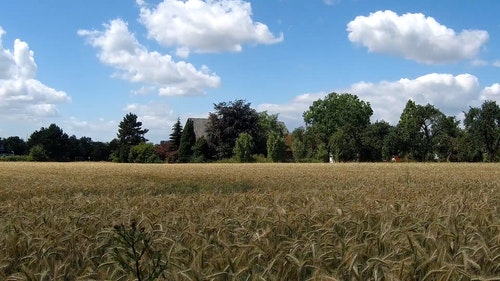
[(84, 64)]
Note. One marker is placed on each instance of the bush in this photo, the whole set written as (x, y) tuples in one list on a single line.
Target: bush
[(201, 151), (154, 158), (143, 153), (259, 158), (243, 148), (276, 147), (38, 153), (15, 158), (121, 154)]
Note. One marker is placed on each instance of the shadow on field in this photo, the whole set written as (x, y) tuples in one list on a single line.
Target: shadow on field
[(190, 188)]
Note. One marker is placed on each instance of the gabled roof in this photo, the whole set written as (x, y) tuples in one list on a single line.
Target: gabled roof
[(200, 127)]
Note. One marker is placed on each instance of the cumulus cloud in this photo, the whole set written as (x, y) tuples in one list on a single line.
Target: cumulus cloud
[(100, 129), (491, 93), (21, 95), (451, 94), (291, 112), (157, 117), (120, 49), (415, 37), (204, 26)]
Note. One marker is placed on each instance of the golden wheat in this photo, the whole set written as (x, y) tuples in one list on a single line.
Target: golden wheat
[(389, 221)]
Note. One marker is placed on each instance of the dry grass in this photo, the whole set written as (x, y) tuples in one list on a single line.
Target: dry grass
[(402, 221)]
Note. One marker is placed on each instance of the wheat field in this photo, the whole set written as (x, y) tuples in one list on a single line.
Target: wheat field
[(384, 221)]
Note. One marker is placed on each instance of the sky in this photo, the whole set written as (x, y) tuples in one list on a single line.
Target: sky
[(85, 64)]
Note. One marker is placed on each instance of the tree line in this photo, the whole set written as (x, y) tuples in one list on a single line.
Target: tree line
[(337, 128)]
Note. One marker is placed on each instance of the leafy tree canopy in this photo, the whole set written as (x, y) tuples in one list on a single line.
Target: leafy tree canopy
[(15, 144), (143, 153), (374, 137), (229, 120), (420, 126), (243, 147), (54, 142), (338, 120), (337, 111), (484, 124)]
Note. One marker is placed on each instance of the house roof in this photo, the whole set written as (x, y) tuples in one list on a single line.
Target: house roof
[(200, 127)]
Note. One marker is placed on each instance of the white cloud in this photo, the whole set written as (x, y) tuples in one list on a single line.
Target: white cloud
[(99, 130), (491, 93), (204, 26), (157, 117), (21, 95), (144, 90), (415, 37), (120, 49), (291, 112), (451, 94)]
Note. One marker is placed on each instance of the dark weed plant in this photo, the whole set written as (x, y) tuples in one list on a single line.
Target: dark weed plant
[(134, 253)]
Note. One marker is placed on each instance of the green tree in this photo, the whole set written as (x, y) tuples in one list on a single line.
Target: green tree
[(201, 151), (176, 135), (299, 144), (86, 146), (373, 138), (484, 125), (15, 144), (445, 143), (321, 153), (188, 139), (227, 122), (74, 150), (100, 151), (307, 145), (343, 147), (38, 153), (268, 125), (276, 147), (393, 144), (243, 148), (336, 112), (119, 153), (420, 127), (143, 153), (53, 140), (130, 131), (168, 150), (467, 148)]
